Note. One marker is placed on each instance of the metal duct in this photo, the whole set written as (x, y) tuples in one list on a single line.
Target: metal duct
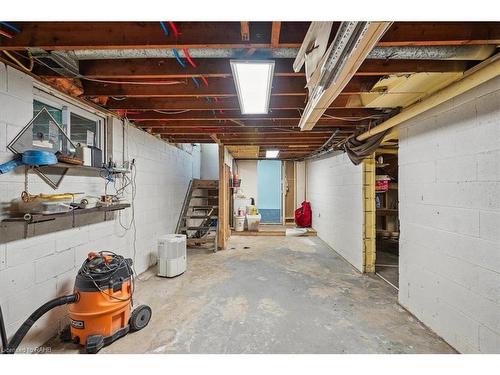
[(467, 52)]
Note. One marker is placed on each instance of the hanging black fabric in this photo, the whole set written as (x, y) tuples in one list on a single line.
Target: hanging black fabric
[(359, 150)]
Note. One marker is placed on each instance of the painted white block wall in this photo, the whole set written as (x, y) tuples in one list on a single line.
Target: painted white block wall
[(449, 193), (247, 170), (209, 166), (37, 269), (334, 188), (300, 182)]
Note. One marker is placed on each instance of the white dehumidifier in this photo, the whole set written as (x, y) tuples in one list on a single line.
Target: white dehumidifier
[(171, 255)]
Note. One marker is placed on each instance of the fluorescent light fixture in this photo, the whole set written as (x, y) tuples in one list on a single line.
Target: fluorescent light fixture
[(271, 154), (253, 80)]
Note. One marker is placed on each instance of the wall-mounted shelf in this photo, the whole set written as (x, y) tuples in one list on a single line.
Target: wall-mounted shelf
[(37, 218), (32, 225), (85, 168)]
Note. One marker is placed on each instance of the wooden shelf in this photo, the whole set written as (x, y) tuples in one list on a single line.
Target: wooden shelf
[(38, 218), (81, 168)]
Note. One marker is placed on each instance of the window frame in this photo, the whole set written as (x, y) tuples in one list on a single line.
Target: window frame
[(67, 109)]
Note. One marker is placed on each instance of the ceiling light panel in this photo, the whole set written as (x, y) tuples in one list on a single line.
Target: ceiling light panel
[(253, 80)]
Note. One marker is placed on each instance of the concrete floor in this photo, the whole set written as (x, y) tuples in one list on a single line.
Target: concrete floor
[(272, 295)]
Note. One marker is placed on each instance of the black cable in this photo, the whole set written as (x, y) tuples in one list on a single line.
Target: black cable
[(86, 271), (25, 327), (3, 334)]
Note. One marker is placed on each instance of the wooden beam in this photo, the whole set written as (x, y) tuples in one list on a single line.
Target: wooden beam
[(275, 34), (119, 35), (316, 106), (387, 66), (214, 67), (276, 114), (217, 87), (228, 103), (214, 128), (441, 33), (245, 31), (250, 126), (213, 136), (238, 131)]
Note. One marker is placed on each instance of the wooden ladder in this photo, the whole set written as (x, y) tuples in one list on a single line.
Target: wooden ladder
[(199, 218)]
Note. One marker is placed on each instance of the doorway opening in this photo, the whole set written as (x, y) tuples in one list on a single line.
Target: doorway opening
[(387, 217), (269, 191)]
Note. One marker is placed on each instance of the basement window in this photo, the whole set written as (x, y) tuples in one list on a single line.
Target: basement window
[(80, 125)]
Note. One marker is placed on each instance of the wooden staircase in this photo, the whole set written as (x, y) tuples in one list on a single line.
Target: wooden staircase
[(199, 215)]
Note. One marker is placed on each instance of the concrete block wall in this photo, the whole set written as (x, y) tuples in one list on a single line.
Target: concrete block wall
[(209, 166), (449, 194), (334, 188), (35, 270)]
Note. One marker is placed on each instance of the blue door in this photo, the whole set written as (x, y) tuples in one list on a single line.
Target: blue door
[(269, 191)]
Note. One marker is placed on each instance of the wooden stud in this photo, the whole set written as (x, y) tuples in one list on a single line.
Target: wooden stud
[(369, 230), (275, 34), (245, 31)]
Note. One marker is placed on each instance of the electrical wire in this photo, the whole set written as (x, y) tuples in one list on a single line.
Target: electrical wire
[(196, 82), (178, 58), (172, 112), (78, 75), (188, 58), (30, 56), (112, 270), (6, 34), (204, 80), (353, 119), (174, 29), (164, 28)]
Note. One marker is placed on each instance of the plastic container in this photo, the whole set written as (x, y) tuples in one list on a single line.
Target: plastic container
[(253, 222), (239, 223), (171, 255)]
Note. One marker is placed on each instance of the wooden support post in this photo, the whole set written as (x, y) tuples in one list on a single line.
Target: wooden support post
[(369, 232), (223, 197)]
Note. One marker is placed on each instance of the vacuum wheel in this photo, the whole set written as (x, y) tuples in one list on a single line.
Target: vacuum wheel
[(139, 318)]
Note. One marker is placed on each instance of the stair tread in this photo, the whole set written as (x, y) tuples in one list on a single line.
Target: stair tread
[(200, 217), (205, 196), (204, 206), (198, 228)]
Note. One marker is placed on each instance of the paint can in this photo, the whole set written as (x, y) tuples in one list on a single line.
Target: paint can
[(239, 223)]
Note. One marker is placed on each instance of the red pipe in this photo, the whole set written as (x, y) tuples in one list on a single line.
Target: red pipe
[(188, 58)]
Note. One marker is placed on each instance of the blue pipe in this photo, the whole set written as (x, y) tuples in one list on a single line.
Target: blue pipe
[(178, 58), (11, 26), (164, 28)]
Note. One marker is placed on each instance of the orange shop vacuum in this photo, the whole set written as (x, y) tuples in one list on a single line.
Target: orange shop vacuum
[(100, 309)]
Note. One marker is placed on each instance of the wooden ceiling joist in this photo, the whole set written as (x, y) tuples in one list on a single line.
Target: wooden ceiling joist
[(275, 34), (214, 67), (227, 103), (119, 35), (264, 132), (245, 31), (276, 114), (217, 87), (185, 113), (248, 125)]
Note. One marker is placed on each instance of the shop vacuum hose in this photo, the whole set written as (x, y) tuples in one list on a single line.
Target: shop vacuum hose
[(11, 347)]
